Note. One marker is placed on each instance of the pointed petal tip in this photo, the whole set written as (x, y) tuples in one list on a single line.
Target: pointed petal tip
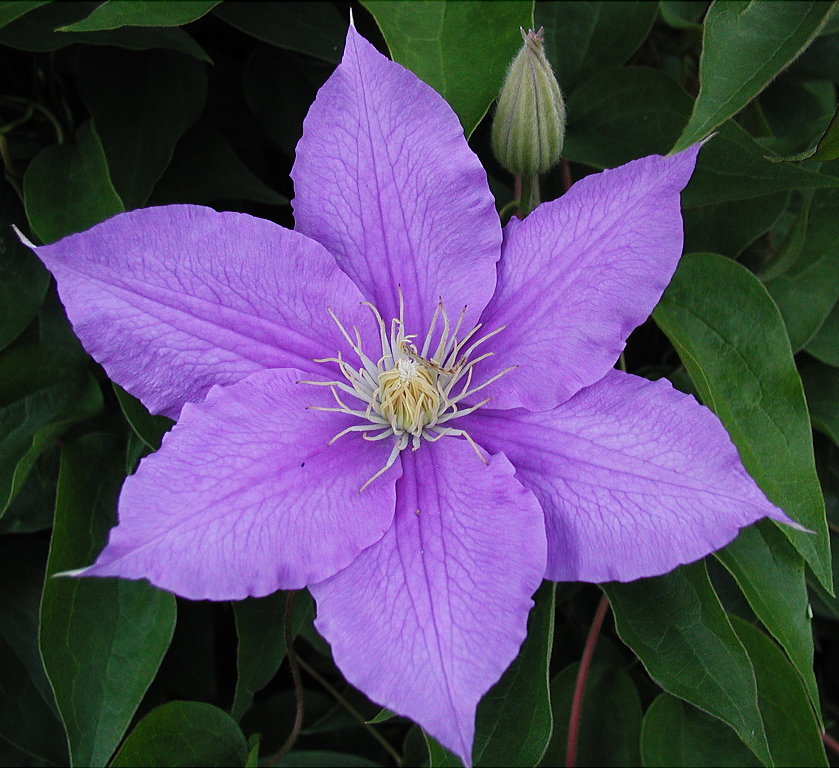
[(388, 616), (431, 205), (779, 516), (72, 573), (260, 436), (24, 239)]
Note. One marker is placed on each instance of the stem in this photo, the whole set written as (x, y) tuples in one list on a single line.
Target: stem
[(9, 127), (580, 686), (530, 198), (10, 173), (830, 742), (5, 155), (508, 209), (298, 686), (566, 175), (353, 711), (26, 103), (526, 191)]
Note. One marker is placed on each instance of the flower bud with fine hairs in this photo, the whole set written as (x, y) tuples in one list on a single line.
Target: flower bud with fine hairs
[(529, 125)]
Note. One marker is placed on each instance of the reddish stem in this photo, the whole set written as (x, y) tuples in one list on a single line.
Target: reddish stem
[(580, 686), (566, 175), (298, 685), (830, 742)]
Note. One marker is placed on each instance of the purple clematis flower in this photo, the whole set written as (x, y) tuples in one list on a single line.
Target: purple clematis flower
[(399, 406)]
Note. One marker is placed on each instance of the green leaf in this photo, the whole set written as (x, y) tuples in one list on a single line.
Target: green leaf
[(43, 392), (461, 49), (783, 257), (821, 60), (33, 507), (821, 385), (184, 734), (826, 605), (798, 114), (23, 284), (28, 723), (54, 329), (732, 166), (809, 289), (141, 104), (582, 37), (730, 337), (621, 114), (141, 13), (13, 9), (771, 575), (253, 751), (262, 646), (825, 149), (206, 168), (676, 735), (439, 756), (102, 640), (825, 344), (683, 14), (618, 115), (67, 187), (514, 721), (831, 25), (730, 227), (608, 689), (678, 629), (28, 719), (150, 429), (792, 730), (382, 716), (744, 46), (36, 32), (317, 29)]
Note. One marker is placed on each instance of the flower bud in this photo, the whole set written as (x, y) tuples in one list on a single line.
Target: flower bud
[(529, 125)]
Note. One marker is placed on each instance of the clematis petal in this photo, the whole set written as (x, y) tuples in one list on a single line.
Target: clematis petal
[(172, 300), (579, 274), (635, 478), (384, 179), (427, 619), (244, 497)]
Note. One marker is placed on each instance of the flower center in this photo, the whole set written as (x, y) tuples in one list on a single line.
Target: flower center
[(410, 394)]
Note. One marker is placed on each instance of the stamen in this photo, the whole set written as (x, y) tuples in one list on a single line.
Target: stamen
[(464, 433), (354, 428), (340, 384), (465, 412), (427, 342), (444, 336), (407, 393), (485, 384), (480, 341), (381, 436), (397, 448)]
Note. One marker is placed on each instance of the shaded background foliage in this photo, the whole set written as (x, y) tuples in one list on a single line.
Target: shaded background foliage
[(732, 661)]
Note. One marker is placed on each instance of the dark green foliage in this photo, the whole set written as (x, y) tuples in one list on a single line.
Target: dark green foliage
[(106, 107)]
